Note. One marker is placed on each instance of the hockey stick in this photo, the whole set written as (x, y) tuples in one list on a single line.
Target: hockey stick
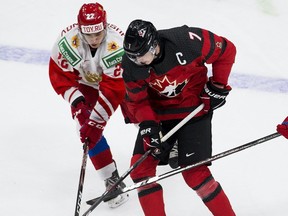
[(213, 158), (142, 158), (81, 179)]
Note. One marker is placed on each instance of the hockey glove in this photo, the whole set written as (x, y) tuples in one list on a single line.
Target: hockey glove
[(283, 128), (92, 131), (213, 96), (150, 133), (80, 111)]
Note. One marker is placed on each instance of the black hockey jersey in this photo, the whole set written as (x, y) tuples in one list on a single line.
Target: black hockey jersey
[(170, 86)]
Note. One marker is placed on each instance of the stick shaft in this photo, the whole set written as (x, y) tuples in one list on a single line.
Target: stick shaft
[(213, 158), (81, 181)]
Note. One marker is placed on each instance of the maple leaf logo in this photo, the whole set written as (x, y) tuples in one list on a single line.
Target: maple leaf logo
[(142, 32), (168, 88)]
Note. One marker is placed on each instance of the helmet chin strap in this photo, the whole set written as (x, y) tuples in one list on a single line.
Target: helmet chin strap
[(157, 55)]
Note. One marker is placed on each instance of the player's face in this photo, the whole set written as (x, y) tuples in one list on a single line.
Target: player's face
[(145, 59), (95, 39)]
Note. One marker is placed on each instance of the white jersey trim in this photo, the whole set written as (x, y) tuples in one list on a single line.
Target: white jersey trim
[(71, 94)]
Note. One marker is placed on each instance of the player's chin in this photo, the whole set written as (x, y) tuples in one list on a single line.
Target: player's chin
[(94, 46)]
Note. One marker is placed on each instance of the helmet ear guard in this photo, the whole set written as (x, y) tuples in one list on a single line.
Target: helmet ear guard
[(92, 18), (140, 36)]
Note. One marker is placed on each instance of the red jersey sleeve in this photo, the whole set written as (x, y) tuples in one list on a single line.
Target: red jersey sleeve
[(220, 52), (61, 80)]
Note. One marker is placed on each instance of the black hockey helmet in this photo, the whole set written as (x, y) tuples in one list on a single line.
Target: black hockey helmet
[(140, 36)]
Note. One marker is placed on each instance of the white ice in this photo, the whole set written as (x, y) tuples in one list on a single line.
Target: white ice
[(41, 153)]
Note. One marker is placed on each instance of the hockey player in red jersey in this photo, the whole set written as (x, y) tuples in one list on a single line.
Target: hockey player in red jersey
[(85, 69), (166, 78)]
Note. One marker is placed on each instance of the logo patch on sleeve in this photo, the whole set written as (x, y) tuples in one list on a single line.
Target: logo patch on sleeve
[(67, 51), (114, 58)]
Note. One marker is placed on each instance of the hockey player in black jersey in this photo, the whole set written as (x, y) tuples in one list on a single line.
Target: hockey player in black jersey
[(166, 78)]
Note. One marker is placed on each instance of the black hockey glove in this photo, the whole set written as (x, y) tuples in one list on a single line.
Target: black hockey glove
[(214, 97), (150, 133)]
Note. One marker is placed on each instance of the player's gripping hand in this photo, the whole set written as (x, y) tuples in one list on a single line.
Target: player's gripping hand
[(150, 133), (92, 130), (214, 95), (80, 111), (283, 128)]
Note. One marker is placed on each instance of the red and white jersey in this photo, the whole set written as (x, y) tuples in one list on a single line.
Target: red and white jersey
[(72, 65)]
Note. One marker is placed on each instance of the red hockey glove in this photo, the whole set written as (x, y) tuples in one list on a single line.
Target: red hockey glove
[(150, 133), (283, 128), (214, 97), (92, 131), (80, 111)]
